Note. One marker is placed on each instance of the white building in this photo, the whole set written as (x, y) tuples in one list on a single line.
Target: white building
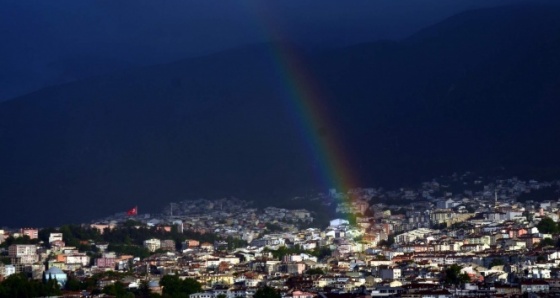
[(338, 222), (152, 244), (78, 258), (202, 295), (55, 237), (413, 235), (23, 253), (7, 270)]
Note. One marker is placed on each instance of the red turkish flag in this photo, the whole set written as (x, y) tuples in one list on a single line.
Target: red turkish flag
[(133, 211)]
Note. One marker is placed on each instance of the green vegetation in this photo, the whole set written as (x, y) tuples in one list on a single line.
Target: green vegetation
[(496, 262), (5, 260), (18, 285), (20, 240), (315, 271), (117, 289), (352, 218), (134, 250), (74, 284), (547, 226), (273, 227), (234, 243), (321, 252), (267, 292), (453, 275), (528, 215), (282, 251), (127, 238), (173, 286), (547, 242)]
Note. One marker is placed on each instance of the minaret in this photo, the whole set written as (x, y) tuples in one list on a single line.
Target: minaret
[(495, 199)]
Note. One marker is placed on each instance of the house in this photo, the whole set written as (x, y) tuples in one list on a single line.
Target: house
[(439, 293), (32, 233), (23, 253), (300, 294), (339, 222), (55, 237), (206, 246), (386, 291), (152, 244), (507, 290), (7, 270), (101, 227), (168, 245), (534, 286), (202, 295)]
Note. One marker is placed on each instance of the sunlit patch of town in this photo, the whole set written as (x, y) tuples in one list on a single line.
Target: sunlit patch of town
[(462, 236)]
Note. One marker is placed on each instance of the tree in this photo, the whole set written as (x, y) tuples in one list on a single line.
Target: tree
[(191, 286), (547, 226), (528, 215), (19, 240), (234, 243), (73, 284), (173, 286), (18, 285), (5, 260), (267, 292), (453, 275), (496, 262), (315, 271), (321, 252), (273, 227), (143, 289), (547, 242), (117, 289)]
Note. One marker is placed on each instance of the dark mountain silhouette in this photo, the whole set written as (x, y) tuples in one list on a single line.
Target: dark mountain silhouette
[(47, 44), (478, 91)]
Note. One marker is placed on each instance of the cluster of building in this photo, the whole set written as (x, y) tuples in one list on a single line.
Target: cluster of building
[(226, 217), (401, 250)]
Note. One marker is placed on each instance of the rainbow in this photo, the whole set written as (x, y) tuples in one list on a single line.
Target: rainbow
[(316, 127)]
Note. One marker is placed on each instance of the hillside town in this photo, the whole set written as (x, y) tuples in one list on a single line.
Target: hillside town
[(465, 236)]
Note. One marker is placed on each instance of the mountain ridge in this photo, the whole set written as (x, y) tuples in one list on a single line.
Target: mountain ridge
[(223, 124)]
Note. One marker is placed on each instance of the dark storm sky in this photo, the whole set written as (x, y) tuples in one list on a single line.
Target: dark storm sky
[(52, 42)]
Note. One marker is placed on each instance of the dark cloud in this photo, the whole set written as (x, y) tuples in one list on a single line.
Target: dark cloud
[(51, 42)]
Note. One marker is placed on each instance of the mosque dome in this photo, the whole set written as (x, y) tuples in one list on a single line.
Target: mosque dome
[(58, 275)]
